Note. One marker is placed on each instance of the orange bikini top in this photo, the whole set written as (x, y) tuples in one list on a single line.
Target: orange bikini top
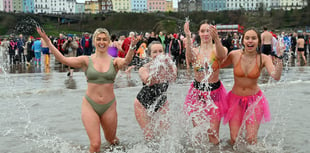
[(253, 74)]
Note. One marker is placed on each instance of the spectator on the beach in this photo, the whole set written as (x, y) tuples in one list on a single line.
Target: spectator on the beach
[(175, 48), (301, 49), (20, 47), (126, 44), (306, 46), (114, 46), (60, 41), (87, 44), (235, 41), (294, 43), (36, 47), (29, 50), (266, 43), (71, 46)]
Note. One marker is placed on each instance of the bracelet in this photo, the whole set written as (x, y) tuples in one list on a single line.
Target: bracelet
[(133, 48), (279, 57)]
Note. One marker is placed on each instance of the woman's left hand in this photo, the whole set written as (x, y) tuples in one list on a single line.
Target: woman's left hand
[(134, 41), (42, 34), (213, 32)]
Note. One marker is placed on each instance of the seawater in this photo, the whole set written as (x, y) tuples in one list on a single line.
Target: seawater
[(40, 112)]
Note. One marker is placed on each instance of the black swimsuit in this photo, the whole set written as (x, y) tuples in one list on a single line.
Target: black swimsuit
[(149, 95), (300, 49), (210, 87)]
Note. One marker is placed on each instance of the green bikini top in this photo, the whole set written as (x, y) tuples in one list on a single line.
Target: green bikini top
[(93, 76)]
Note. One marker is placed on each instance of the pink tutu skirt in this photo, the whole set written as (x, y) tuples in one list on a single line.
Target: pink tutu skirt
[(195, 102), (253, 109)]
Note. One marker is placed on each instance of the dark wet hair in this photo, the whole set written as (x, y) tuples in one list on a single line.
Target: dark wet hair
[(113, 37), (265, 28), (198, 39), (258, 36), (258, 50)]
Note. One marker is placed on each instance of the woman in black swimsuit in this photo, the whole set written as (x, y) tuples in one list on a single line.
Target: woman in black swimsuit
[(152, 98)]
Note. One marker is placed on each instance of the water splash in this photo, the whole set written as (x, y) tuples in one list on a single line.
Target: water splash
[(161, 68), (17, 124)]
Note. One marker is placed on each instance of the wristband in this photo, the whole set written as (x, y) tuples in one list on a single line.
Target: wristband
[(279, 57), (132, 48)]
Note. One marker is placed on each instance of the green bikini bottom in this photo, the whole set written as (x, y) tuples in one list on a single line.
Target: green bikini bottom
[(99, 108)]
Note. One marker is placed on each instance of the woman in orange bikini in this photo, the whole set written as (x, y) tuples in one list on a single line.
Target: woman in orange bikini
[(246, 96), (99, 103), (206, 88)]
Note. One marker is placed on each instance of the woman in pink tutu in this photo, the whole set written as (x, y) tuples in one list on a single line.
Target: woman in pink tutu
[(205, 101), (246, 102)]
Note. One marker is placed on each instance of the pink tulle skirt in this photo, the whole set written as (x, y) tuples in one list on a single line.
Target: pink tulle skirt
[(197, 102), (252, 109)]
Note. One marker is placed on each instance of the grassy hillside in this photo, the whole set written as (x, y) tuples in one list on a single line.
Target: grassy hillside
[(170, 22)]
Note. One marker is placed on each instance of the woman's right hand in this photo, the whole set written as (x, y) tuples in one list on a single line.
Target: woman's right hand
[(43, 34), (186, 28)]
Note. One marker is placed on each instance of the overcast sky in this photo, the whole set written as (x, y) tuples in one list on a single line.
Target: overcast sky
[(174, 2)]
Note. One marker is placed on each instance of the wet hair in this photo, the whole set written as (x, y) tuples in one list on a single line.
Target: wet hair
[(100, 31), (258, 36), (265, 28), (300, 35), (258, 50), (113, 37), (198, 39), (149, 47)]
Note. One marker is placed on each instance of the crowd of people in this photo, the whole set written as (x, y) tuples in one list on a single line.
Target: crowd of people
[(102, 55)]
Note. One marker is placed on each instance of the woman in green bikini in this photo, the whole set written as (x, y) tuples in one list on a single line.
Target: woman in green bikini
[(99, 103)]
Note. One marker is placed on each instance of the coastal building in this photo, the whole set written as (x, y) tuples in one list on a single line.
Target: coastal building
[(91, 6), (28, 6), (121, 5), (189, 5), (139, 5), (8, 5), (1, 6), (17, 6), (79, 8), (169, 6), (105, 5), (214, 5), (156, 5), (292, 4)]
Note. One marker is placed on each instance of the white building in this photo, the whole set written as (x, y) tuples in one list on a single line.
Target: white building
[(267, 4), (292, 4), (42, 6), (54, 6), (1, 5)]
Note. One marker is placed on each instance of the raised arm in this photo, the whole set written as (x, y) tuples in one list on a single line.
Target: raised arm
[(76, 62), (221, 51), (188, 52), (275, 71), (228, 60), (122, 62)]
